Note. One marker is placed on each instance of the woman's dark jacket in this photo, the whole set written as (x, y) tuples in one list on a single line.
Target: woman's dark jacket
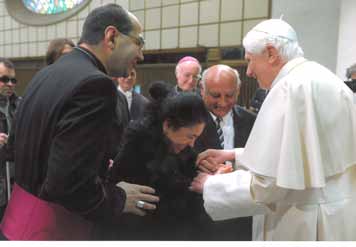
[(144, 158)]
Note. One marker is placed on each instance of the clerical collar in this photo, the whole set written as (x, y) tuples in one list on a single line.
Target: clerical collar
[(92, 58)]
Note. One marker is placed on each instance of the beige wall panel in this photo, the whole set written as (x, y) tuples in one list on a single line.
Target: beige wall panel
[(169, 2), (152, 3), (170, 16), (230, 34), (136, 4), (152, 40), (256, 8), (209, 11), (170, 38), (208, 35), (231, 10), (188, 37), (189, 14), (153, 19)]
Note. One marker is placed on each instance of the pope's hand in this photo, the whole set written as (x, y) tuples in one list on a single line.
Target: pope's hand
[(210, 160), (138, 198), (198, 182)]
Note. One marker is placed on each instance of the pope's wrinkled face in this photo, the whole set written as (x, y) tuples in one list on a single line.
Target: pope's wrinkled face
[(259, 68), (182, 137)]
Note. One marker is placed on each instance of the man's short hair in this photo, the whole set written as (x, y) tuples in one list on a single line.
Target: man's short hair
[(7, 63), (102, 17)]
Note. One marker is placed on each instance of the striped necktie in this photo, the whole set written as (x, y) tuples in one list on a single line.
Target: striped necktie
[(220, 132)]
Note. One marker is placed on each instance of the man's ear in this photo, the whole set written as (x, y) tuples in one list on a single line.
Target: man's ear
[(273, 54), (109, 37)]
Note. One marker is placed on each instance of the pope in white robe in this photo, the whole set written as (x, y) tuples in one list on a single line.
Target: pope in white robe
[(297, 172)]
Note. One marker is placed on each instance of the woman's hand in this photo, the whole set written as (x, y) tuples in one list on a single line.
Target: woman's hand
[(198, 182)]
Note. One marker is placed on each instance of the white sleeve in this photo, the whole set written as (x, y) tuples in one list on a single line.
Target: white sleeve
[(229, 196)]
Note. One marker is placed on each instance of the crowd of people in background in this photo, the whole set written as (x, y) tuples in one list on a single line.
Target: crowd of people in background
[(97, 160)]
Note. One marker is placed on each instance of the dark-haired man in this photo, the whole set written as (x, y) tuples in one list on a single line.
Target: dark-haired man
[(8, 104), (62, 145)]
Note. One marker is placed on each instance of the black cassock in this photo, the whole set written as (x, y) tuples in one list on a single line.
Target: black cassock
[(62, 145)]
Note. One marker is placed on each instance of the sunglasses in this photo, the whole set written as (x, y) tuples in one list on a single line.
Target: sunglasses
[(5, 79)]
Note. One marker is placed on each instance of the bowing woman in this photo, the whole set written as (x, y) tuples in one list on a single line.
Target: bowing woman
[(158, 151)]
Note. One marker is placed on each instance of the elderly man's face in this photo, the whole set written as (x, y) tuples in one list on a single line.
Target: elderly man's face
[(220, 92), (7, 85), (259, 68), (188, 75)]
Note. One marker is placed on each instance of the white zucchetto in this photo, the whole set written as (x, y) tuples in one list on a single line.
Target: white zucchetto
[(276, 27)]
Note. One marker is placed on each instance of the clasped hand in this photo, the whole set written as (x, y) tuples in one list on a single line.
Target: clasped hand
[(211, 162)]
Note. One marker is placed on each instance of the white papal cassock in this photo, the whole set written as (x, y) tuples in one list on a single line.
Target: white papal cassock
[(297, 173)]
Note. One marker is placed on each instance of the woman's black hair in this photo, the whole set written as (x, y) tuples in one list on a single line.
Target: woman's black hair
[(181, 110)]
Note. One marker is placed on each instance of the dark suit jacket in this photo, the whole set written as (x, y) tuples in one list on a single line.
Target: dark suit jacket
[(240, 228), (62, 130), (138, 105)]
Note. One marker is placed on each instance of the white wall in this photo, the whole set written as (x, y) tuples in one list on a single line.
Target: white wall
[(168, 24), (317, 25), (347, 37)]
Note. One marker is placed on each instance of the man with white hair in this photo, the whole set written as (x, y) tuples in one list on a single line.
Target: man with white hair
[(188, 70), (228, 126), (297, 172)]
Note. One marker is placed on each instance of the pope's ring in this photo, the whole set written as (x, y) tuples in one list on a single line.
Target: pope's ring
[(140, 204)]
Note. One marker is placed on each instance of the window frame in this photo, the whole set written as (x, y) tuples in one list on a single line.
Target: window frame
[(22, 14)]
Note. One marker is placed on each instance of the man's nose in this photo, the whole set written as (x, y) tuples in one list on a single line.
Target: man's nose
[(223, 102), (249, 72)]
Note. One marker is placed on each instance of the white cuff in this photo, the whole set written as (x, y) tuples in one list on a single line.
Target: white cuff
[(228, 196)]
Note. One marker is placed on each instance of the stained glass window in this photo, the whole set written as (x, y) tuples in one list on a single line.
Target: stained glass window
[(51, 6)]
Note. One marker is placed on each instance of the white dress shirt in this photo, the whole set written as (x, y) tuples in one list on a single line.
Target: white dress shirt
[(128, 95), (227, 126)]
